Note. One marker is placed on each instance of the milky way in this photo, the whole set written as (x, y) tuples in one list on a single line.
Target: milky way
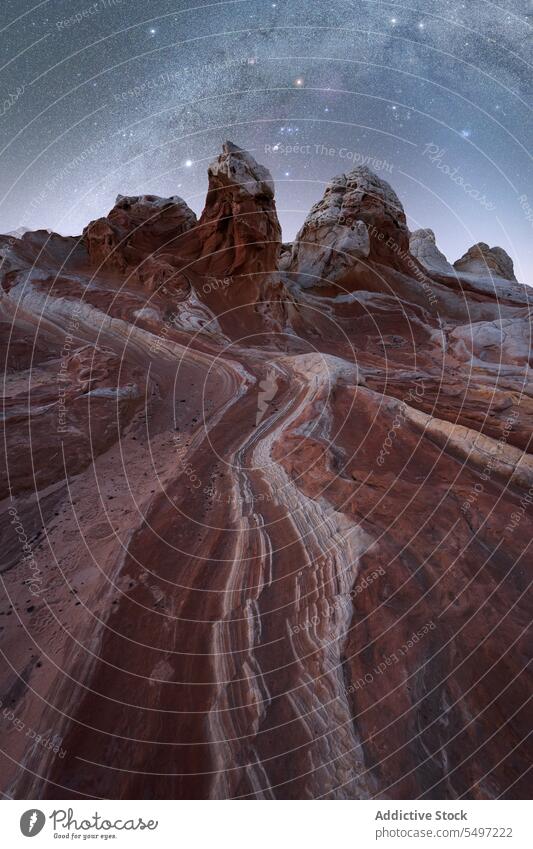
[(129, 97)]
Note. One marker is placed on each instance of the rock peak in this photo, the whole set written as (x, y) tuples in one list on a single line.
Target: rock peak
[(423, 246), (137, 227), (360, 216), (484, 261), (239, 225), (237, 168), (230, 147)]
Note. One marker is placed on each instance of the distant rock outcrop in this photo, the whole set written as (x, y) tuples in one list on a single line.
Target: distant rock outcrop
[(423, 246), (268, 541), (486, 262), (19, 232), (359, 217), (239, 226)]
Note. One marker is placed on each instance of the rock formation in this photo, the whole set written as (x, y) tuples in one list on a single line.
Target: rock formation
[(261, 538), (360, 216), (239, 226), (423, 246), (486, 262), (139, 235)]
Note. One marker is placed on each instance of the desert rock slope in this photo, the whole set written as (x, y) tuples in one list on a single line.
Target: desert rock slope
[(266, 509)]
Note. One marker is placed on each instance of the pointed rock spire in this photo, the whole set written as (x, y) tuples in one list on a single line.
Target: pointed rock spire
[(239, 227), (424, 248)]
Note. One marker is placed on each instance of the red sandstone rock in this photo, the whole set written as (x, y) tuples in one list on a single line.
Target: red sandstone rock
[(139, 235), (280, 550)]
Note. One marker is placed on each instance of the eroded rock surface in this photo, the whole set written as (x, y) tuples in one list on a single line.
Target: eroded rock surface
[(485, 262), (139, 236), (360, 216), (262, 539), (423, 246), (239, 226)]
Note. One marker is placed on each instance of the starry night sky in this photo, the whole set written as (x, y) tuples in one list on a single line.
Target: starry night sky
[(137, 97)]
